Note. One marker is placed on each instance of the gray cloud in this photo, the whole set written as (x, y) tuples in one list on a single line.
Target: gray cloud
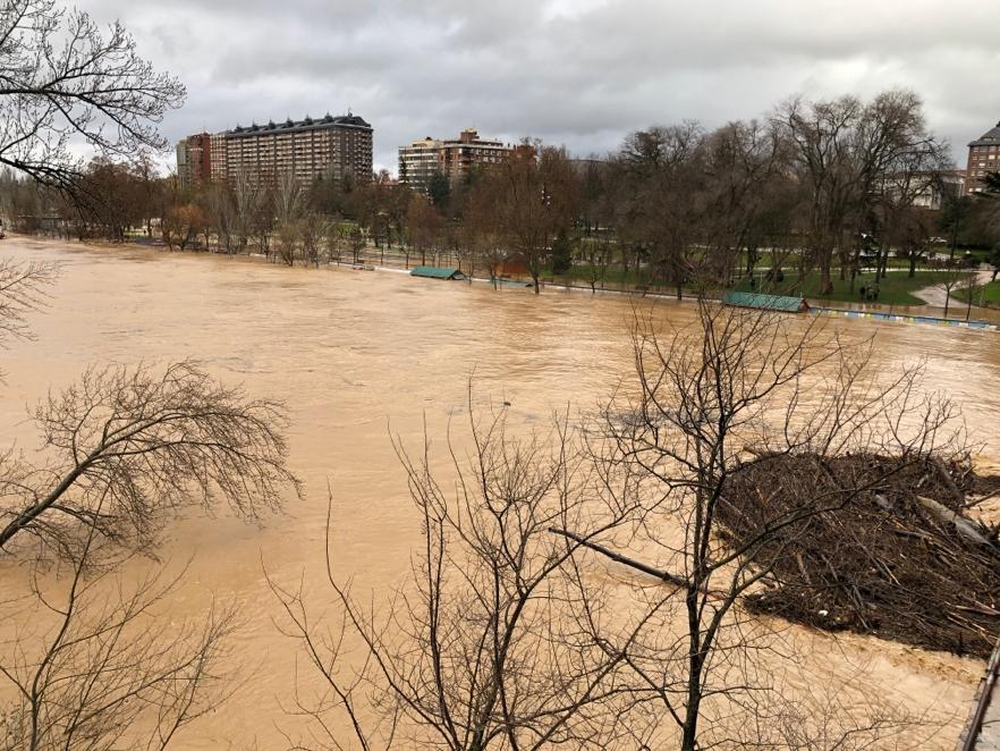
[(580, 72)]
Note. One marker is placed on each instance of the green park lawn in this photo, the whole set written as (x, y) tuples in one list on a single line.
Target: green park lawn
[(988, 295), (896, 288)]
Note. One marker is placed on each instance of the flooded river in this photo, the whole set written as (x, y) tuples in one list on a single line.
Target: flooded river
[(357, 357)]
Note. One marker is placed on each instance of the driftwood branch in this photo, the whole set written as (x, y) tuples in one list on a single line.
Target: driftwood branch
[(618, 558), (946, 477), (969, 529)]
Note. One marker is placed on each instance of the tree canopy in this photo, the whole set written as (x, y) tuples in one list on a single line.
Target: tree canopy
[(65, 80)]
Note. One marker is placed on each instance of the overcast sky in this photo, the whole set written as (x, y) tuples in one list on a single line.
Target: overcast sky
[(583, 73)]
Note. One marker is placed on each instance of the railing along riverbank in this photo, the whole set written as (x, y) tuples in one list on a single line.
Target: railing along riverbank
[(982, 730)]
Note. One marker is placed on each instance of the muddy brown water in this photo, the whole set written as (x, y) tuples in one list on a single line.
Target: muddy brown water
[(358, 356)]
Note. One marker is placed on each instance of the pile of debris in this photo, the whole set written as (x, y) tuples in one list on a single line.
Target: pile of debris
[(879, 546)]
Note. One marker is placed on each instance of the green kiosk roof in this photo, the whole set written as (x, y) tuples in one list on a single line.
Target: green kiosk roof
[(437, 272), (781, 303)]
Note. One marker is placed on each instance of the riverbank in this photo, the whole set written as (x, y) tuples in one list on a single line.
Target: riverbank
[(371, 259)]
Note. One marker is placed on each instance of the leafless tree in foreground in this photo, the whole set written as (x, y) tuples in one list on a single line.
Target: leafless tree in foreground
[(95, 665), (510, 635), (22, 290), (65, 80), (93, 662), (736, 385), (488, 646), (125, 446)]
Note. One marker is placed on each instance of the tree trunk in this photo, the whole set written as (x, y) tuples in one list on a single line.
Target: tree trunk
[(825, 279), (696, 661)]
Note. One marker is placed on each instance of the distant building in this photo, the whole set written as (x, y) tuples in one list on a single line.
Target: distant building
[(939, 187), (194, 160), (984, 156), (927, 189), (418, 163), (218, 151), (327, 147), (455, 159)]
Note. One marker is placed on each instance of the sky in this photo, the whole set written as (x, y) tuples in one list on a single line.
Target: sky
[(582, 73)]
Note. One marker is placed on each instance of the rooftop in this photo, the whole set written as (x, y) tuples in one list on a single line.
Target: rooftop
[(988, 138), (307, 123)]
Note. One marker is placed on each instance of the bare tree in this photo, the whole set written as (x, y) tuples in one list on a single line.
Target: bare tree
[(358, 242), (288, 202), (248, 201), (182, 224), (287, 242), (740, 379), (22, 291), (972, 291), (64, 80), (312, 230), (746, 205), (288, 198), (121, 448), (844, 150), (950, 283), (503, 639), (537, 197), (659, 199), (113, 198), (487, 646), (482, 234), (126, 445), (335, 238), (223, 218), (423, 225), (95, 667)]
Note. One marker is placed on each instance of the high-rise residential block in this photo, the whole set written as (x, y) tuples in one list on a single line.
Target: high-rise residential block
[(327, 147), (455, 159), (194, 160), (984, 156)]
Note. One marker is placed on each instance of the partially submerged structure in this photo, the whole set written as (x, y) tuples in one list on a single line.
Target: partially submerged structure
[(438, 272), (780, 303)]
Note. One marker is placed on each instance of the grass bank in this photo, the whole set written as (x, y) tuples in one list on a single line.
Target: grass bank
[(896, 288)]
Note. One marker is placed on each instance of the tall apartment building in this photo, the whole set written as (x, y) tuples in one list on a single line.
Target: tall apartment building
[(421, 160), (418, 163), (194, 160), (328, 147), (218, 151), (984, 156)]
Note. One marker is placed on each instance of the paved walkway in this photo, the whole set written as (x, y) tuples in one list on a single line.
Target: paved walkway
[(935, 295)]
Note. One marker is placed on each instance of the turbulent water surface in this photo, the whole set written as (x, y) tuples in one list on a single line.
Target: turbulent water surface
[(361, 356)]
